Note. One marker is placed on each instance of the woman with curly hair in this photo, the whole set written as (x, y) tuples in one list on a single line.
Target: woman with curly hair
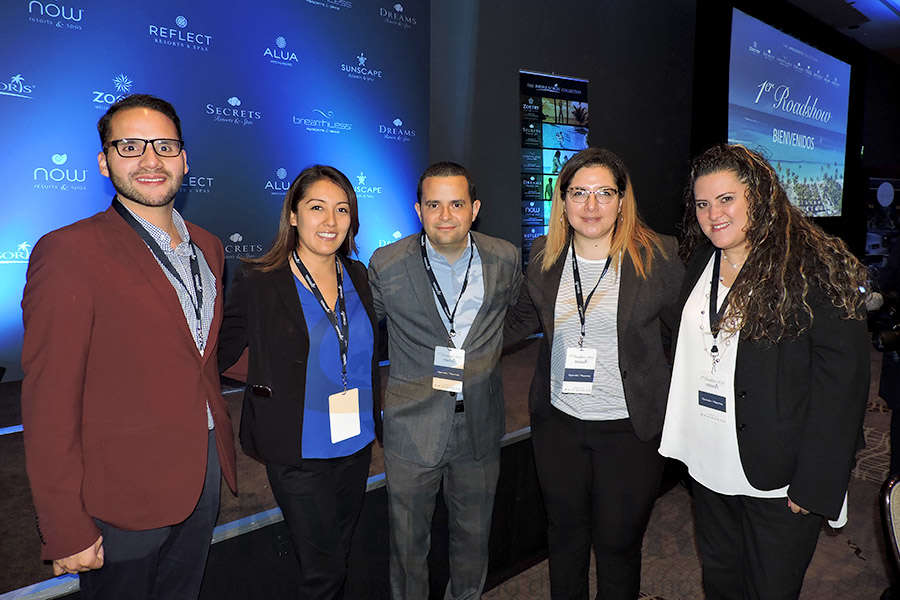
[(770, 378)]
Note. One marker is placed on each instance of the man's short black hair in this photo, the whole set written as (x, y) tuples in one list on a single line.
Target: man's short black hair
[(446, 169), (137, 101)]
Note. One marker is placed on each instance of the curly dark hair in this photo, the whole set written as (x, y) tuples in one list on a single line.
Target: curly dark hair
[(789, 254)]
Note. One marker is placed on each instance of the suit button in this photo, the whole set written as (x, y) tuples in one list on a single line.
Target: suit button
[(453, 394), (742, 427), (624, 374), (741, 395)]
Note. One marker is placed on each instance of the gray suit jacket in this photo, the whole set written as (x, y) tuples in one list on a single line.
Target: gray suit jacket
[(418, 418)]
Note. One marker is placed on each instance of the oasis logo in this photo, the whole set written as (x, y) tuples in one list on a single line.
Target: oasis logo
[(237, 247), (279, 185), (364, 188), (396, 131), (233, 113), (395, 16), (280, 55), (361, 70), (59, 177), (122, 85), (181, 37), (57, 15), (331, 4), (16, 87), (197, 184), (322, 121), (19, 256)]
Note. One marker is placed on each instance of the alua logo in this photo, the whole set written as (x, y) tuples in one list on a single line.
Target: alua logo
[(396, 131), (364, 188), (16, 87), (197, 184), (280, 55), (237, 247), (59, 176), (181, 37), (396, 15), (322, 121), (19, 256), (55, 14), (280, 184), (122, 86), (233, 113), (361, 70)]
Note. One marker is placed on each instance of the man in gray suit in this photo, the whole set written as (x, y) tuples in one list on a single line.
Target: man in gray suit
[(444, 293)]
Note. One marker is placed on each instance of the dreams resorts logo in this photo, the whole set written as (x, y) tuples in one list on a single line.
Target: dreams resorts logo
[(181, 37), (18, 256), (279, 185), (322, 121), (396, 16), (232, 112), (59, 176), (56, 15), (16, 87), (281, 54), (396, 131), (122, 87), (361, 69)]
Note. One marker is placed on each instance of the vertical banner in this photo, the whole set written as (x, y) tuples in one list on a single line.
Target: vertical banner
[(263, 90), (554, 121)]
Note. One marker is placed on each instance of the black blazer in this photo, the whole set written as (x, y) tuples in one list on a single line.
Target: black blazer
[(263, 312), (799, 404), (645, 307)]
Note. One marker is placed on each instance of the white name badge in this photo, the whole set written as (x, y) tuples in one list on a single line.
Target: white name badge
[(578, 376), (711, 400), (448, 369), (343, 414)]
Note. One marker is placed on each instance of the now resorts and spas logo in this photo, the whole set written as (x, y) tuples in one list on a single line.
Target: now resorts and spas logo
[(17, 87), (397, 16), (280, 54), (322, 121), (233, 112), (59, 176), (121, 87), (280, 184), (362, 69), (396, 131), (17, 255), (56, 14), (180, 36)]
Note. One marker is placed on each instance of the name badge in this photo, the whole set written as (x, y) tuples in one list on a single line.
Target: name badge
[(578, 376), (448, 369), (712, 404), (343, 415)]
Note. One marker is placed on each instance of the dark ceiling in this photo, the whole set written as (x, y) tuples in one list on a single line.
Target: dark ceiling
[(873, 23)]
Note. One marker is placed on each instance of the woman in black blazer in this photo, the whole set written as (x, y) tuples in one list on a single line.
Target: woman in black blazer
[(599, 391), (304, 310), (770, 379)]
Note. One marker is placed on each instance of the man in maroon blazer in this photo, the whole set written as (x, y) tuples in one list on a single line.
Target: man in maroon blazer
[(126, 431)]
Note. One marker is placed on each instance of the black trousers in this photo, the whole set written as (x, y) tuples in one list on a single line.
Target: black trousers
[(163, 563), (752, 548), (321, 501), (599, 483)]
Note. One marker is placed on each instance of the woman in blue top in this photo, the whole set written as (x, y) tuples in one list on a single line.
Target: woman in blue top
[(304, 312)]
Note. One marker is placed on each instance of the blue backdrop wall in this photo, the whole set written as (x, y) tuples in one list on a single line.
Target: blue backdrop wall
[(263, 90)]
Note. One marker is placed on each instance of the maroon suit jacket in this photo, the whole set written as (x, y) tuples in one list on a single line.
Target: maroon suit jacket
[(115, 391)]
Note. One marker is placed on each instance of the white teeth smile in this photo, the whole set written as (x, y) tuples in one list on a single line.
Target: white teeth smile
[(720, 226), (327, 236)]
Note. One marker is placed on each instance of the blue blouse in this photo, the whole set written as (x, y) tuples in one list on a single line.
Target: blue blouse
[(323, 374)]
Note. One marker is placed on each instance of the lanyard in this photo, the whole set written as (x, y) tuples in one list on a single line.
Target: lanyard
[(715, 316), (582, 303), (197, 298), (437, 288), (339, 321)]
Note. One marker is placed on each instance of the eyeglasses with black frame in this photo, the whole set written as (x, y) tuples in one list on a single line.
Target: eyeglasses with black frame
[(604, 195), (134, 147)]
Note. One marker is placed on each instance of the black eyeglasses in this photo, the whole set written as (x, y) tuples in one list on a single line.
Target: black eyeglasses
[(134, 147)]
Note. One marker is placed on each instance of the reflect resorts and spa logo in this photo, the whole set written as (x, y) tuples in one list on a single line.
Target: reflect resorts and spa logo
[(396, 131), (362, 70), (197, 184), (322, 121), (396, 15), (16, 87), (59, 176), (17, 256), (281, 54), (232, 112), (182, 37), (279, 185), (121, 87), (56, 15)]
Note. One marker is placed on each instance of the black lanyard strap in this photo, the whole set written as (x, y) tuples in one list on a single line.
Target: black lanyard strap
[(715, 316), (437, 288), (579, 298), (159, 253), (338, 321)]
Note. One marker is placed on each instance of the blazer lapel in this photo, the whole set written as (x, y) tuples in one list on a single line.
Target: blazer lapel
[(283, 281), (549, 289), (628, 294), (422, 292), (490, 274)]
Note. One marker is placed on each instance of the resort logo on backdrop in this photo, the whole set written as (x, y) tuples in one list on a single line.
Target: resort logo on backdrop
[(121, 88), (396, 15), (322, 121), (16, 256), (196, 184), (396, 131), (362, 69), (365, 189), (280, 184), (280, 54), (59, 176), (332, 4), (394, 237), (237, 247), (55, 14), (16, 87), (180, 36), (233, 112)]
